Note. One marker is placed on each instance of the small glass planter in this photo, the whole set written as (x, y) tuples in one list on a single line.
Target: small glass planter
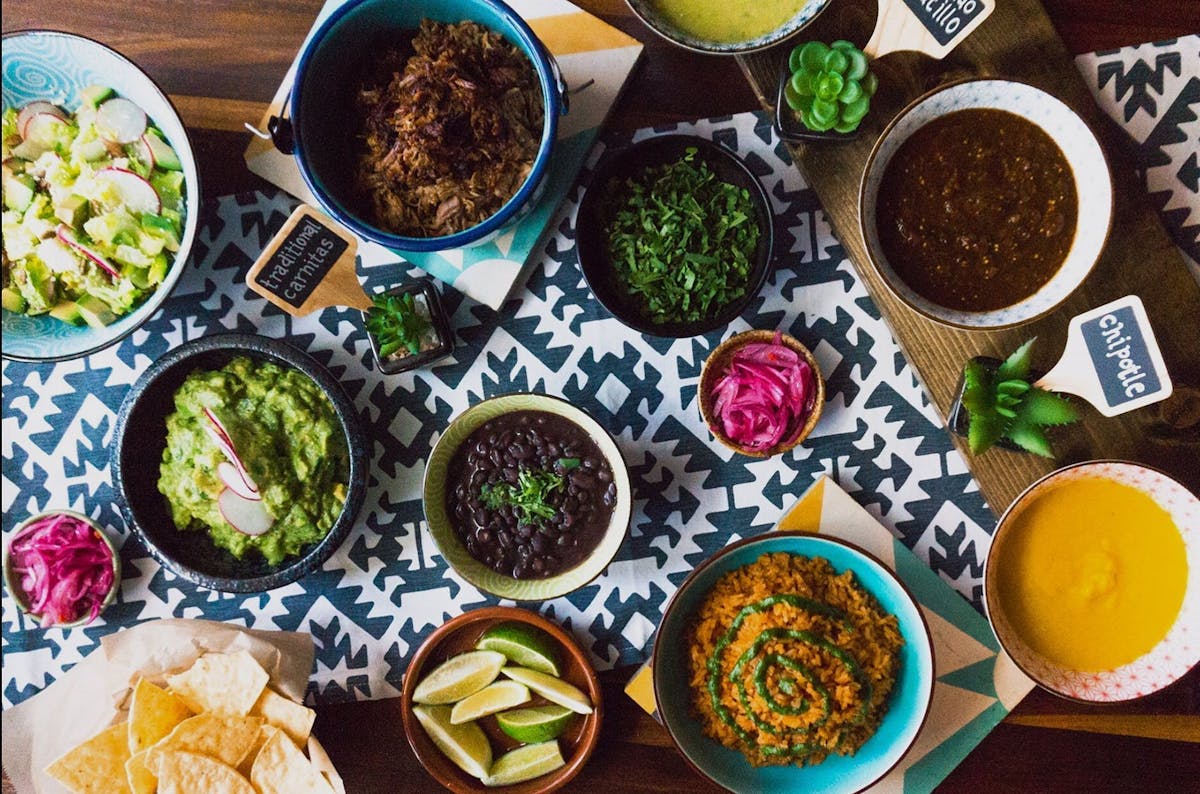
[(436, 343), (958, 420)]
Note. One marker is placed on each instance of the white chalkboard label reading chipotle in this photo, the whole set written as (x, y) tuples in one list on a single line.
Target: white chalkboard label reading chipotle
[(1112, 359), (308, 265)]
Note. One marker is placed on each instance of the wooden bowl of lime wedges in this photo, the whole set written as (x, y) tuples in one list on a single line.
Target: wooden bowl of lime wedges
[(501, 698)]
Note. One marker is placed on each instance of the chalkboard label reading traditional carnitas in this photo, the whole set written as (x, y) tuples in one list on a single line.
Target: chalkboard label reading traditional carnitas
[(1112, 359), (301, 261), (945, 18)]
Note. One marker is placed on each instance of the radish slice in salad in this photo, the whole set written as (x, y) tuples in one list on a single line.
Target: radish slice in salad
[(120, 120), (765, 396), (247, 516), (135, 192), (236, 481), (26, 114), (43, 127), (64, 568), (67, 235)]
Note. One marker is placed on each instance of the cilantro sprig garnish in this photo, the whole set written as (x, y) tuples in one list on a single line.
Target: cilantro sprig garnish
[(681, 240), (528, 497), (1002, 403)]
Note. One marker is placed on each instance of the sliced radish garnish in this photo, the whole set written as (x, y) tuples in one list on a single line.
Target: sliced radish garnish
[(27, 113), (57, 255), (143, 151), (136, 193), (43, 128), (67, 235), (246, 516), (120, 120), (220, 436), (236, 481)]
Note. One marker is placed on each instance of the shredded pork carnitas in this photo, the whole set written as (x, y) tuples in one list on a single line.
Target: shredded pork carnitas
[(452, 126)]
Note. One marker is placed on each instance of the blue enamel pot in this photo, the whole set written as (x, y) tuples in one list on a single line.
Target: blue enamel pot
[(322, 98)]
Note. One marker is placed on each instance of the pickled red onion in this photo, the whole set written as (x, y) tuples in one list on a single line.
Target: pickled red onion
[(64, 567), (765, 396)]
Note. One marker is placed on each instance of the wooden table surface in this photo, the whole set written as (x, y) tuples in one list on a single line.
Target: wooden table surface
[(221, 61)]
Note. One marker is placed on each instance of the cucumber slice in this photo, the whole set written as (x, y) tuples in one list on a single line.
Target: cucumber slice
[(164, 156), (18, 191), (68, 312), (94, 311), (93, 95)]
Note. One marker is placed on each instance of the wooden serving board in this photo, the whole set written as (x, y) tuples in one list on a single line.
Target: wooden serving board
[(1017, 41)]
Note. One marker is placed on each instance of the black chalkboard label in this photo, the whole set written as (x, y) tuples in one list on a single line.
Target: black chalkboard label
[(1117, 345), (944, 19), (301, 261)]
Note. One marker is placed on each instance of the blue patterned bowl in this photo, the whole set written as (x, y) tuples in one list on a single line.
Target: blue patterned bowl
[(321, 102), (1093, 186), (908, 703), (651, 14), (53, 66)]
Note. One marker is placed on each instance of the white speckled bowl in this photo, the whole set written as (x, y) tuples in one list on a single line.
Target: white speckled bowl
[(46, 64), (1093, 185), (646, 11), (1174, 655), (453, 550)]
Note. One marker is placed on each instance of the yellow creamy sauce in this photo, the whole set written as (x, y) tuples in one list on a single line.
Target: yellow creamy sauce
[(1091, 574), (726, 21)]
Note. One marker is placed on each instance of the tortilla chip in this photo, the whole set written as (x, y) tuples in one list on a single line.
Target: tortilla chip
[(227, 739), (294, 718), (227, 683), (189, 773), (282, 768), (153, 713), (141, 779), (247, 764), (98, 765)]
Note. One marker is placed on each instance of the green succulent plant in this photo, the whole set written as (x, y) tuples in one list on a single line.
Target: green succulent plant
[(1002, 403), (396, 324), (831, 86)]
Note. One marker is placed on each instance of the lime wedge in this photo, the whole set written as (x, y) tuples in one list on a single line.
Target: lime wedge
[(522, 644), (525, 763), (492, 698), (553, 689), (465, 745), (536, 724), (458, 677)]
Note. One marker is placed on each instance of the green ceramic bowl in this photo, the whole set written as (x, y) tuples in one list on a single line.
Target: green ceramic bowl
[(18, 594), (475, 572)]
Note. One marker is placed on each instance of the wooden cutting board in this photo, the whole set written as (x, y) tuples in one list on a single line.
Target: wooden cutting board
[(1018, 41)]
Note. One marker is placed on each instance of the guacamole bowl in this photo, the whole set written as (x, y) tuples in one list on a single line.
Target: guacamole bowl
[(141, 441)]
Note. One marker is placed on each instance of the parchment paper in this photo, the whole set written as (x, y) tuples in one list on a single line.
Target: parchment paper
[(94, 693)]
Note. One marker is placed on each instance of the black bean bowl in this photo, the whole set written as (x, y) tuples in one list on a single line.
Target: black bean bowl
[(439, 472), (591, 222), (140, 438)]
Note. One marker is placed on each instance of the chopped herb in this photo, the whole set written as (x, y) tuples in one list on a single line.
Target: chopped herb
[(397, 324), (1001, 403), (528, 497), (680, 240)]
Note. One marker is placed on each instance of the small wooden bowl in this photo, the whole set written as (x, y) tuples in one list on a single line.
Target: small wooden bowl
[(718, 361), (459, 635)]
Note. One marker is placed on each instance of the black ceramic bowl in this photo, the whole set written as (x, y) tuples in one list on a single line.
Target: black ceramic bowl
[(139, 440), (632, 161)]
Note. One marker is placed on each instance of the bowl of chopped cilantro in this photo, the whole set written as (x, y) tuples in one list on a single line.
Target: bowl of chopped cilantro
[(675, 235)]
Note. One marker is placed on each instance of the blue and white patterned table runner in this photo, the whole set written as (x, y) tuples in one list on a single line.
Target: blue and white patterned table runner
[(386, 587)]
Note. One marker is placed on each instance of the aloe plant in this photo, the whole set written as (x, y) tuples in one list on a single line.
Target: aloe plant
[(1002, 403)]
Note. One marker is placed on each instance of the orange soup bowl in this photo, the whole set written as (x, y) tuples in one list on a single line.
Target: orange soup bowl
[(1092, 583)]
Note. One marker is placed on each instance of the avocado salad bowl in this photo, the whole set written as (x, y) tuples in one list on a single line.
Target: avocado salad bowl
[(239, 462), (101, 196)]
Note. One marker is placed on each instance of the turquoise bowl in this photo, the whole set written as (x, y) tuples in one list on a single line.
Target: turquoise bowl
[(907, 706), (322, 100), (53, 66)]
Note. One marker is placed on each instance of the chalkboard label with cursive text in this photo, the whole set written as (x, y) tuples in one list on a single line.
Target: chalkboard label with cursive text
[(1118, 349), (300, 262), (944, 19)]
